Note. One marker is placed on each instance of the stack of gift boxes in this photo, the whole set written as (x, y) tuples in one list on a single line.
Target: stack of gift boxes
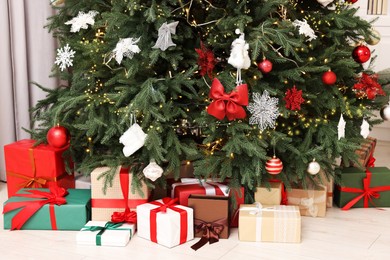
[(43, 196)]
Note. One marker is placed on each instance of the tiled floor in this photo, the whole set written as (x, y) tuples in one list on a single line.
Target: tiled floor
[(354, 234)]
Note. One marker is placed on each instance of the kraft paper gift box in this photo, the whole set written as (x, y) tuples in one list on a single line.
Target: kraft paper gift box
[(277, 223), (269, 195), (164, 222), (329, 183), (35, 167), (363, 188), (115, 199), (101, 233), (211, 211), (72, 215), (311, 202)]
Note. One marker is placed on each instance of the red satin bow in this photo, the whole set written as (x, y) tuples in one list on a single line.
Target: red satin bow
[(229, 105), (166, 204), (371, 162), (211, 231), (56, 196), (126, 216), (367, 192)]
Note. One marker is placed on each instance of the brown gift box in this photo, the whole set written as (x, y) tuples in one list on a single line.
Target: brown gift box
[(311, 202), (278, 223), (272, 196), (365, 152), (211, 209), (329, 189), (104, 205)]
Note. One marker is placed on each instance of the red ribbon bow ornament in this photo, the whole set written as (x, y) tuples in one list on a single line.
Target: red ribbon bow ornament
[(229, 105)]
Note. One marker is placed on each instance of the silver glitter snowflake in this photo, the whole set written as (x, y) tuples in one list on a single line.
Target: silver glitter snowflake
[(65, 57), (264, 110)]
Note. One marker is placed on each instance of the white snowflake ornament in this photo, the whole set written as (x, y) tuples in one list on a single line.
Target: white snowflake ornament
[(82, 20), (125, 48), (64, 57), (165, 32), (153, 171), (341, 127), (305, 29), (365, 128), (264, 110)]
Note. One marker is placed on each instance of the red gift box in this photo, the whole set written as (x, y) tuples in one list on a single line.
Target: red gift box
[(35, 167), (182, 190)]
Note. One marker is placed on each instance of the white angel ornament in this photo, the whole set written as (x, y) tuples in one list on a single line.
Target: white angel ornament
[(165, 32)]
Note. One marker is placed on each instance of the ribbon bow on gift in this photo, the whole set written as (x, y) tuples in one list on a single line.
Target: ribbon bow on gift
[(211, 231), (56, 196), (229, 105), (108, 225), (308, 203)]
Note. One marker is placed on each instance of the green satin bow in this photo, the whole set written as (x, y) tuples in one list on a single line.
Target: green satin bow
[(107, 226)]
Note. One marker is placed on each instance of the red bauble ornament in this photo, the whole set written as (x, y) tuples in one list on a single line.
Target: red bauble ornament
[(265, 66), (352, 1), (58, 136), (274, 166), (361, 54), (329, 77)]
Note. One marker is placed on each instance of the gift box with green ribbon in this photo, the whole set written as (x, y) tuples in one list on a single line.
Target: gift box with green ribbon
[(363, 188), (44, 209), (101, 233)]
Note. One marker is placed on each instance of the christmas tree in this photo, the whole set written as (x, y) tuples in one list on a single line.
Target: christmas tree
[(239, 88)]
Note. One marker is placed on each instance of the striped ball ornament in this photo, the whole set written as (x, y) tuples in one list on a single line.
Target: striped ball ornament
[(274, 166)]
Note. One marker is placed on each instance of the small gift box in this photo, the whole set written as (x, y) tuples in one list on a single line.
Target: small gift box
[(311, 202), (211, 218), (35, 167), (101, 233), (329, 183), (277, 223), (43, 209), (363, 188), (118, 197), (270, 194), (164, 222), (188, 186), (82, 181)]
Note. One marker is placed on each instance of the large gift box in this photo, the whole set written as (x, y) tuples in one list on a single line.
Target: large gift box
[(277, 223), (164, 222), (363, 188), (101, 233), (211, 218), (35, 167), (365, 153), (329, 183), (269, 194), (118, 197), (311, 202), (188, 186), (43, 209)]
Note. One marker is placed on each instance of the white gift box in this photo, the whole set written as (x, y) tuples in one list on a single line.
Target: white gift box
[(172, 228), (119, 236), (82, 182)]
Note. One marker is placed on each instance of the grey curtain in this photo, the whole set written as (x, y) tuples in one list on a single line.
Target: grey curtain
[(27, 53)]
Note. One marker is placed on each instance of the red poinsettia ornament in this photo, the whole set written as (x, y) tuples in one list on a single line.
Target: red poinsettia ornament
[(206, 61), (293, 99), (368, 86)]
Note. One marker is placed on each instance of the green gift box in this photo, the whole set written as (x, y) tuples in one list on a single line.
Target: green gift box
[(363, 188), (69, 216)]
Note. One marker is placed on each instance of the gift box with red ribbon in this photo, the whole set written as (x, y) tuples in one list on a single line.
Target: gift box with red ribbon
[(363, 188), (211, 218), (365, 153), (118, 202), (35, 167), (182, 190), (43, 209), (165, 222)]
